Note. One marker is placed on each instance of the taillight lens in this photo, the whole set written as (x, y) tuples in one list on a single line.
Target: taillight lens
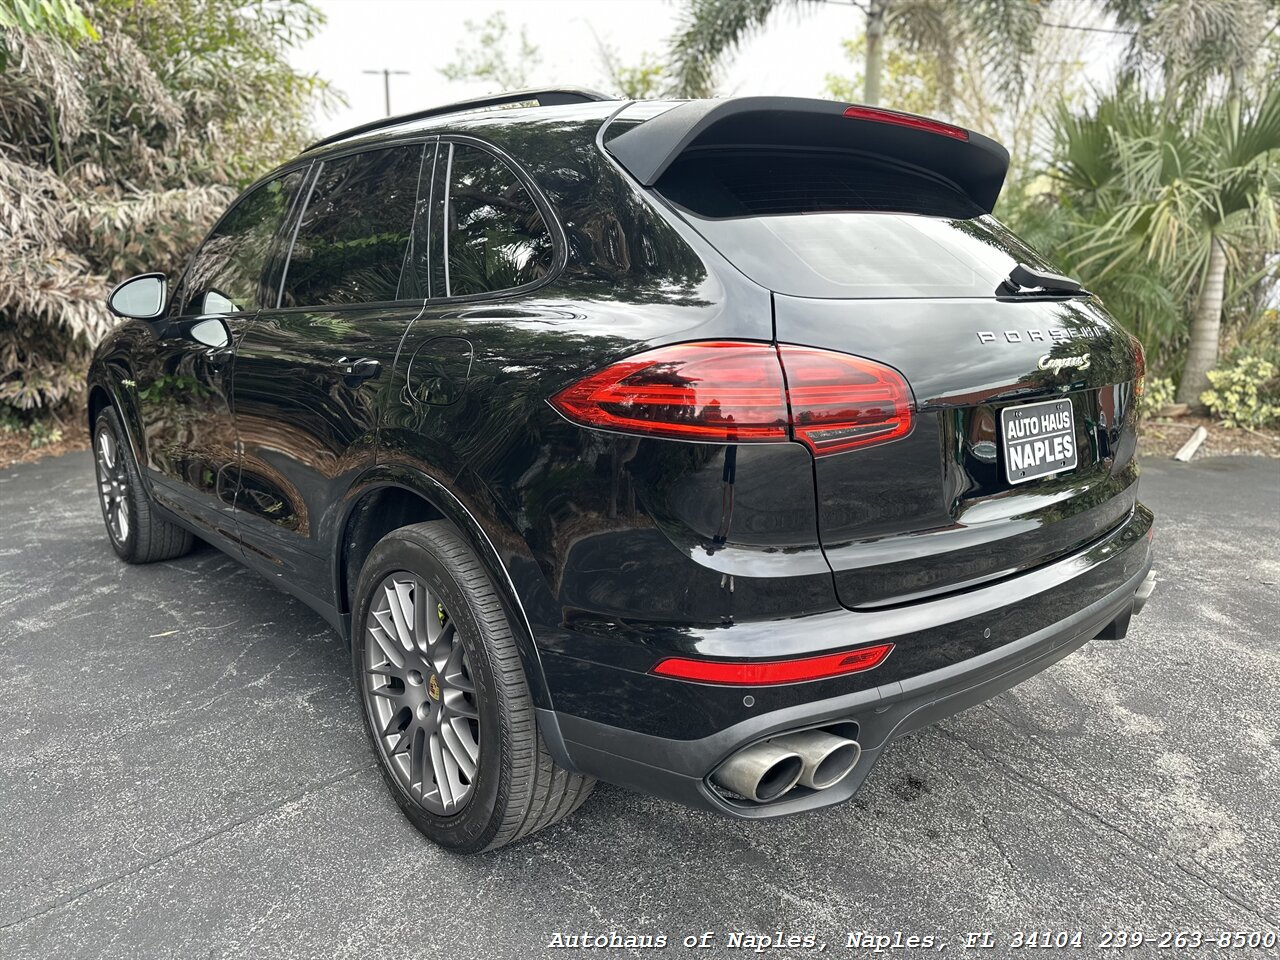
[(877, 115), (1140, 360), (735, 392), (765, 672), (839, 402), (722, 392)]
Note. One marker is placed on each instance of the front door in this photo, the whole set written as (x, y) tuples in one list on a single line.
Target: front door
[(313, 373), (183, 374)]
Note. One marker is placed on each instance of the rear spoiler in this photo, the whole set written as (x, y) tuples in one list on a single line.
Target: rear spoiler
[(974, 164)]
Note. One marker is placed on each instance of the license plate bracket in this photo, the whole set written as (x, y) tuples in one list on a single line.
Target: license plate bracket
[(1038, 439)]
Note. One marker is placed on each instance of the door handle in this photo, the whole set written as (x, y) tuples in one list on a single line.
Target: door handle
[(362, 369)]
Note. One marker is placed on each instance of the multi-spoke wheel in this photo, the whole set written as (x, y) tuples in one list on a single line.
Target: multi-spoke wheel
[(445, 699), (137, 533), (420, 694), (113, 484)]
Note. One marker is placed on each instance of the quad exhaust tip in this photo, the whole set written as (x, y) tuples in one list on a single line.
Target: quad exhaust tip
[(761, 772), (828, 759), (767, 770)]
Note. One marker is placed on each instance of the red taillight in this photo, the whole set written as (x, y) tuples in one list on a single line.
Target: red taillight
[(734, 392), (1140, 361), (765, 672), (839, 401), (877, 115), (726, 392)]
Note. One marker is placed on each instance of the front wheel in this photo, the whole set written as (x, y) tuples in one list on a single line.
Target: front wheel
[(445, 699), (136, 533)]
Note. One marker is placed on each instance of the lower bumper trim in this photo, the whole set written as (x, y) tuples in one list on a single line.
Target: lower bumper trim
[(677, 769)]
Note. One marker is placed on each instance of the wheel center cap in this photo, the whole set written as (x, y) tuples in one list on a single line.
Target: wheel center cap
[(433, 687)]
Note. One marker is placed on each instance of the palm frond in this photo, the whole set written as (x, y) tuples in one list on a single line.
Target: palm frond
[(710, 29)]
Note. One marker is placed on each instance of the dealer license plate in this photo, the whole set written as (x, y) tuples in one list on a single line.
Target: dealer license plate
[(1039, 440)]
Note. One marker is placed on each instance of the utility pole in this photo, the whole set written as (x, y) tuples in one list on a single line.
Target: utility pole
[(386, 84)]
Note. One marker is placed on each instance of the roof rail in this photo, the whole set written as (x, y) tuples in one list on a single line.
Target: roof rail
[(556, 96)]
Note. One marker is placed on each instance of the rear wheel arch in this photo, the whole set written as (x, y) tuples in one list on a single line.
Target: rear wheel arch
[(388, 498)]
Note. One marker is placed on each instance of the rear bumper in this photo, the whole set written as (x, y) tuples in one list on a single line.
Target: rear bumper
[(678, 769)]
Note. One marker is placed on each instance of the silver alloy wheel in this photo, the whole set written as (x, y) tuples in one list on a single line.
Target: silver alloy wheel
[(113, 485), (418, 688)]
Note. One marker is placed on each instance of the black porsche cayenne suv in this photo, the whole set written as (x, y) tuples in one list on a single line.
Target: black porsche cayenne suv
[(702, 447)]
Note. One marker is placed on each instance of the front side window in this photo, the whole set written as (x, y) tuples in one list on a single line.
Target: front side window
[(226, 274), (492, 235), (356, 231)]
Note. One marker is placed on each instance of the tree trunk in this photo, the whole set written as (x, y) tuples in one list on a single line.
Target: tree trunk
[(1172, 82), (875, 51), (1203, 353)]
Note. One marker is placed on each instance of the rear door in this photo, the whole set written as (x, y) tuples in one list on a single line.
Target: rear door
[(314, 371), (493, 245), (1023, 434)]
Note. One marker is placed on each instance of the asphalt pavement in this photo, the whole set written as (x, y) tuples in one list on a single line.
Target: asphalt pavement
[(183, 774)]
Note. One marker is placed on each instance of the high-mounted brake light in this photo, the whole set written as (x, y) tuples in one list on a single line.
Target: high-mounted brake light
[(736, 392), (876, 115), (763, 673)]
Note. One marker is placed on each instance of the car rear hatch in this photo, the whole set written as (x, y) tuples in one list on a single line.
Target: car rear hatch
[(876, 240)]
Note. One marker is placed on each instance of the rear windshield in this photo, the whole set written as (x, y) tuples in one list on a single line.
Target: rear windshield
[(836, 226)]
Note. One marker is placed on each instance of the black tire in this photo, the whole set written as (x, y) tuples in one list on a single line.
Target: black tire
[(143, 537), (517, 789)]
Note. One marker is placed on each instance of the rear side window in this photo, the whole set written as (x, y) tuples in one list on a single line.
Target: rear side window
[(843, 226), (226, 273), (491, 235), (356, 232)]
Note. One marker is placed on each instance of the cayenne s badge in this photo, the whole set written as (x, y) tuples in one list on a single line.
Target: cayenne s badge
[(1056, 364)]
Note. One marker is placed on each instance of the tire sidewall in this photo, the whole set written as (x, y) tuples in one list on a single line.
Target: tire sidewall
[(471, 828)]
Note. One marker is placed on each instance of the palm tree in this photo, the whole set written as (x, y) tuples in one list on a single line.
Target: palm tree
[(1191, 41), (1006, 28), (1194, 200)]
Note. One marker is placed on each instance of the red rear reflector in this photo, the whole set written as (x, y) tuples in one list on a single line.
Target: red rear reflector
[(877, 115), (727, 392), (839, 402), (762, 673)]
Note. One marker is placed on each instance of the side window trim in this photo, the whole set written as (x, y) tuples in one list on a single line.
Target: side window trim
[(431, 206), (407, 269), (559, 241), (296, 215), (444, 219)]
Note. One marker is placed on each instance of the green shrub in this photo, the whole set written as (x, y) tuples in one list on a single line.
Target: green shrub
[(1157, 394), (1246, 394), (43, 433)]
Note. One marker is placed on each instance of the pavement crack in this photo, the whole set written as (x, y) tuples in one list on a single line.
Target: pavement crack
[(1251, 908), (71, 898)]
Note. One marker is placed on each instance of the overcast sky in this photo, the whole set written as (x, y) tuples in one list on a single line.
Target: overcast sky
[(792, 57)]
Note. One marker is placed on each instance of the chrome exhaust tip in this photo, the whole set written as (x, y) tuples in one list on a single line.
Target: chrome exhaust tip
[(828, 759), (761, 772)]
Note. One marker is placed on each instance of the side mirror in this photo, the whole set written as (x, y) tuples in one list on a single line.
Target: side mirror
[(139, 298)]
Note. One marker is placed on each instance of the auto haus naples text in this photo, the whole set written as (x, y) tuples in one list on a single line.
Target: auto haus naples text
[(1046, 436)]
